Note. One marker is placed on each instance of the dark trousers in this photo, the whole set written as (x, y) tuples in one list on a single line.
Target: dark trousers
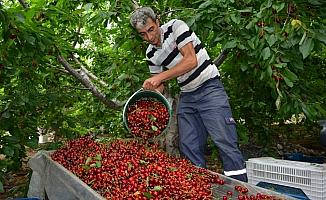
[(206, 112)]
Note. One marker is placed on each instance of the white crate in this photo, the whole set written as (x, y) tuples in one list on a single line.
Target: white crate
[(309, 177)]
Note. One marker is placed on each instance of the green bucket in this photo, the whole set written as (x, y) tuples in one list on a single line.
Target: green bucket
[(143, 94)]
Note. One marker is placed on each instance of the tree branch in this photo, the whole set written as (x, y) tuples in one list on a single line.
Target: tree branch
[(220, 59), (88, 84), (78, 32), (23, 3), (135, 4), (88, 73)]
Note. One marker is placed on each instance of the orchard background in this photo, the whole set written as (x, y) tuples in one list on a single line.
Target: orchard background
[(68, 67)]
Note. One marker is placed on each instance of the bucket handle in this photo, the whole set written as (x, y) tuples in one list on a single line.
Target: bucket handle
[(142, 89)]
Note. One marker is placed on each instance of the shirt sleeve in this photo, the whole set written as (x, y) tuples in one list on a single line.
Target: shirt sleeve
[(182, 33)]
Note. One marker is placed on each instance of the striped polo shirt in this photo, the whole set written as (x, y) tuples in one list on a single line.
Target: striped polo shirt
[(174, 35)]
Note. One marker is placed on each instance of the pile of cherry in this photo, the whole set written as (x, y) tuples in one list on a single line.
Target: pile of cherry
[(135, 169), (147, 118)]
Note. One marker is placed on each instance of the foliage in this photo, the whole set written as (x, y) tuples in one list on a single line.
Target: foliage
[(275, 64)]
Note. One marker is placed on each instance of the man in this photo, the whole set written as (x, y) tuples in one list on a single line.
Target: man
[(175, 51)]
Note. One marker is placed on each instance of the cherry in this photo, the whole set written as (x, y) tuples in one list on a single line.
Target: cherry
[(136, 169)]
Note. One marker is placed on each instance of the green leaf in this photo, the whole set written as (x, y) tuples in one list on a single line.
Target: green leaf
[(247, 10), (230, 44), (88, 6), (154, 128), (321, 36), (157, 188), (32, 143), (288, 81), (6, 114), (86, 167), (11, 139), (308, 110), (271, 39), (1, 187), (8, 151), (251, 44), (98, 157), (269, 29), (152, 118), (251, 24), (20, 17), (290, 75), (172, 169), (316, 2), (143, 162), (98, 164), (41, 46), (91, 182), (306, 47), (266, 53), (272, 60), (235, 19), (280, 65), (244, 67), (130, 165), (297, 63), (278, 7), (30, 39), (88, 160), (269, 71), (205, 5), (278, 102), (122, 76), (261, 12), (241, 46), (191, 21), (303, 38), (148, 195)]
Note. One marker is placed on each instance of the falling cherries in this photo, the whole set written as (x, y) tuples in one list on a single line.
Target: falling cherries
[(147, 118)]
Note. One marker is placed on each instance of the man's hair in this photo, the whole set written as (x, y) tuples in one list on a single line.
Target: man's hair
[(140, 15)]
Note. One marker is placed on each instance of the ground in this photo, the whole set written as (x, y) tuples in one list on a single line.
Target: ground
[(16, 184)]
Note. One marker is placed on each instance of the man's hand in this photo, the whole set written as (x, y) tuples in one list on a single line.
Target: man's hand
[(152, 83)]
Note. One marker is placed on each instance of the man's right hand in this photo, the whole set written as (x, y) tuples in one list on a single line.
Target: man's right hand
[(147, 85), (152, 83)]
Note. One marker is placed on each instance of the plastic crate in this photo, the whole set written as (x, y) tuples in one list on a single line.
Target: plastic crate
[(309, 177)]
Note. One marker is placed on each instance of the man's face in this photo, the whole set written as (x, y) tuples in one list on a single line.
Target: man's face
[(150, 32)]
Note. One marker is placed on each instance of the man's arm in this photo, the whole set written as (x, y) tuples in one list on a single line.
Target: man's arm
[(187, 63)]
